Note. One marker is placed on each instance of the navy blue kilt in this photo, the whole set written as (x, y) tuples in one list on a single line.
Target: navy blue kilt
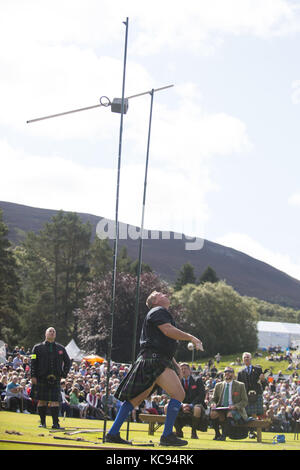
[(255, 408), (142, 375)]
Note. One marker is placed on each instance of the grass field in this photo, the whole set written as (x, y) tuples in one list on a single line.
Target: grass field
[(275, 366), (27, 426)]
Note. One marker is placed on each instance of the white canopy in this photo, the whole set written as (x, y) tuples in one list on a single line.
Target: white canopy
[(2, 352), (74, 352), (277, 334)]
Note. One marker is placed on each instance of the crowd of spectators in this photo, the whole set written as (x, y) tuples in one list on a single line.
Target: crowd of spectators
[(83, 391)]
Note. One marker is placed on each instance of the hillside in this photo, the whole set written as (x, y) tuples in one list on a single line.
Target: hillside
[(247, 275)]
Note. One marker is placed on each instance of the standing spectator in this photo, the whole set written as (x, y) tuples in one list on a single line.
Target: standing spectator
[(49, 363), (254, 380), (218, 358)]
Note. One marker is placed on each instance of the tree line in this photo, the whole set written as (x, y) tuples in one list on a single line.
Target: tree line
[(60, 277)]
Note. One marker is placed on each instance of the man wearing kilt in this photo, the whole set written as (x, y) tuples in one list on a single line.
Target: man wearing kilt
[(154, 367), (254, 380), (49, 363)]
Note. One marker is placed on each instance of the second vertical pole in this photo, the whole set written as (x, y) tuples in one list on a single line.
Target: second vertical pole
[(138, 278)]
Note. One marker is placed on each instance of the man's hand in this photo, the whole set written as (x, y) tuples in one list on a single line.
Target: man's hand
[(197, 343)]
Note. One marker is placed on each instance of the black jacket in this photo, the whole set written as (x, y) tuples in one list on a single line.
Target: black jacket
[(251, 380), (47, 360), (195, 394)]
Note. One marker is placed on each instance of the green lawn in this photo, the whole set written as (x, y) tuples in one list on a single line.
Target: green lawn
[(27, 425)]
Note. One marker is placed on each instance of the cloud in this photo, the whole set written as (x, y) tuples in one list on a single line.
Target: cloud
[(244, 243), (58, 183), (167, 24), (182, 146), (202, 25), (294, 199), (296, 92), (56, 54)]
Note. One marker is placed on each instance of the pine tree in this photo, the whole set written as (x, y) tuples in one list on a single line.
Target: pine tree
[(186, 276), (55, 274), (9, 289), (209, 275)]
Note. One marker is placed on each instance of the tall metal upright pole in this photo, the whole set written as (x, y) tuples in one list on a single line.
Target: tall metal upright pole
[(137, 298), (113, 286), (142, 229)]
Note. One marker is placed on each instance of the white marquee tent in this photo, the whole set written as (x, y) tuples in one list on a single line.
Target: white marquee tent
[(277, 334), (74, 352)]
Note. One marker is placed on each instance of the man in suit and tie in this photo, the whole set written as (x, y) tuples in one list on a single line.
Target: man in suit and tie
[(254, 380), (192, 410), (232, 397)]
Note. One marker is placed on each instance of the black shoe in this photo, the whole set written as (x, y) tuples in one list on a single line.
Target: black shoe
[(172, 440), (116, 439), (217, 437), (194, 435), (56, 426), (42, 425)]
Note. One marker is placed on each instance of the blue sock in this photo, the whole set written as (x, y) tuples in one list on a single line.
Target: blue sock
[(172, 411), (124, 411)]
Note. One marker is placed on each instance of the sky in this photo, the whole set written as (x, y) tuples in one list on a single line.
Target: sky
[(224, 150)]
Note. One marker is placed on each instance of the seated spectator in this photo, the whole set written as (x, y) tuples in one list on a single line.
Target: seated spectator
[(282, 419), (9, 362), (17, 361), (82, 369), (95, 407), (65, 408), (289, 418), (149, 408), (26, 366), (74, 403), (155, 404), (13, 395), (100, 406), (3, 385), (296, 417), (110, 403), (27, 404), (163, 403)]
